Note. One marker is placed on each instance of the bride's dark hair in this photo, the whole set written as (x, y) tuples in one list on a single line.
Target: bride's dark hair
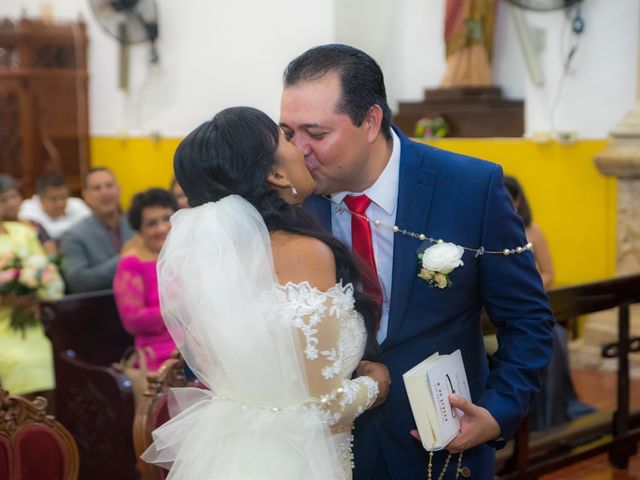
[(232, 154)]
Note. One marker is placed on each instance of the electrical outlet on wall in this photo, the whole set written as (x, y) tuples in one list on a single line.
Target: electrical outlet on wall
[(567, 136)]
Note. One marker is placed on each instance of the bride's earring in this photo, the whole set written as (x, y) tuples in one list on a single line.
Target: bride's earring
[(294, 192)]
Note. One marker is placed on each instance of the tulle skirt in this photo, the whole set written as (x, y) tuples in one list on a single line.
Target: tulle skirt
[(215, 439)]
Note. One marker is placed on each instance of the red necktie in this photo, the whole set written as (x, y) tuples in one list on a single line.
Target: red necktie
[(362, 244)]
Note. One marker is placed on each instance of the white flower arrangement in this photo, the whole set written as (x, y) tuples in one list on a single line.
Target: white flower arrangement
[(438, 261), (21, 275)]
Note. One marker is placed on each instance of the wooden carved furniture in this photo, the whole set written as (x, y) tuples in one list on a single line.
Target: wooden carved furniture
[(153, 411), (539, 453), (44, 114), (33, 445), (93, 400), (468, 111)]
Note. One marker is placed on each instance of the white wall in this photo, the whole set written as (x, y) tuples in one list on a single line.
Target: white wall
[(600, 87), (406, 37), (598, 91), (217, 53), (214, 54), (366, 24)]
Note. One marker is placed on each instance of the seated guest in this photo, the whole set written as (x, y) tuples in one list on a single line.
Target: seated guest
[(11, 199), (135, 285), (534, 233), (26, 360), (178, 194), (557, 401), (90, 248), (52, 207)]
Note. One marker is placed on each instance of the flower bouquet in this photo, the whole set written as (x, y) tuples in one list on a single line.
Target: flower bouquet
[(32, 275), (431, 128)]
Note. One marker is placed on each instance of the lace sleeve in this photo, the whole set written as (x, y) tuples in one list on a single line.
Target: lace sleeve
[(321, 319)]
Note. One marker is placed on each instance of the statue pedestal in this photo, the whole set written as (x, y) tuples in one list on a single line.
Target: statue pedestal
[(468, 111)]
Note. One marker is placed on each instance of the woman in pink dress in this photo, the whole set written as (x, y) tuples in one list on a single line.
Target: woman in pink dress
[(135, 285)]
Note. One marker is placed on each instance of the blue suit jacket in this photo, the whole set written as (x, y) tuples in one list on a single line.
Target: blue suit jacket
[(461, 200)]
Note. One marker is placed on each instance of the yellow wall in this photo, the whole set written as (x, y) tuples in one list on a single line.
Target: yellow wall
[(138, 163), (573, 203)]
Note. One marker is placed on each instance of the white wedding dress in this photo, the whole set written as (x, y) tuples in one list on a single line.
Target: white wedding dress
[(277, 360)]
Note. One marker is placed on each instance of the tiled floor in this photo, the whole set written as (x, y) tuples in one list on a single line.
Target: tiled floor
[(599, 390), (597, 469)]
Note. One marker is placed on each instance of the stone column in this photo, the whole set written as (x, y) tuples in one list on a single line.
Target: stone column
[(621, 159)]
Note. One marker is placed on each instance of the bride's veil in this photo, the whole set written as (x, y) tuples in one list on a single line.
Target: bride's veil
[(217, 281)]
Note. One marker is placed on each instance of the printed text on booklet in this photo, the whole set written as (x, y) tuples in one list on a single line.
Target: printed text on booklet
[(429, 385)]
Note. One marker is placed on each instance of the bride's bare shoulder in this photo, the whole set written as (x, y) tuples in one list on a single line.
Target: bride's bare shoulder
[(298, 258)]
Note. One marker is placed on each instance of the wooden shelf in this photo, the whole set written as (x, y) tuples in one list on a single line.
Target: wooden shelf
[(36, 31), (43, 80), (65, 133), (44, 72), (469, 112)]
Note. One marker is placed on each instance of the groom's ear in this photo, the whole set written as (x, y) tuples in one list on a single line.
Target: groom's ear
[(373, 121), (277, 179)]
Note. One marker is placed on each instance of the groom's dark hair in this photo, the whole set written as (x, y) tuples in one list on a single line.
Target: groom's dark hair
[(360, 76)]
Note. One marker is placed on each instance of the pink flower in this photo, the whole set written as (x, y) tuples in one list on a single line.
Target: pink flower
[(49, 274), (29, 277), (9, 275)]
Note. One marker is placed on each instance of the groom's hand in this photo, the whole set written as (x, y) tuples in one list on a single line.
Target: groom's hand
[(380, 374), (477, 425)]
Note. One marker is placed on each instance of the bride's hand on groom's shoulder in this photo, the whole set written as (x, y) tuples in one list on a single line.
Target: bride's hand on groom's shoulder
[(379, 373)]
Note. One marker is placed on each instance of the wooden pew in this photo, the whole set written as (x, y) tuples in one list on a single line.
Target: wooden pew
[(532, 455), (33, 445), (93, 401), (153, 411)]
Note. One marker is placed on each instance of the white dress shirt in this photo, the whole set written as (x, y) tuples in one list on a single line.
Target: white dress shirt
[(31, 209), (384, 199)]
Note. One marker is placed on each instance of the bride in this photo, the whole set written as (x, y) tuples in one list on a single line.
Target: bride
[(265, 309)]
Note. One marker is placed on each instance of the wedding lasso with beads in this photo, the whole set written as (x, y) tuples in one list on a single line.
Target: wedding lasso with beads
[(459, 470), (422, 237)]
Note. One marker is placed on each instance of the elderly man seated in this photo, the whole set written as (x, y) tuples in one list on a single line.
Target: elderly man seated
[(90, 249)]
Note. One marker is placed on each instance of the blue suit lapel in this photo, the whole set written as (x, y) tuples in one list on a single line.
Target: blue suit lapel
[(415, 194)]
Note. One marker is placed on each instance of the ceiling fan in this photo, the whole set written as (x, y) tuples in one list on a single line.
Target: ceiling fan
[(129, 22)]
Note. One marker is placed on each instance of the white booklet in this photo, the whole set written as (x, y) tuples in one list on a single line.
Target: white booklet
[(428, 386)]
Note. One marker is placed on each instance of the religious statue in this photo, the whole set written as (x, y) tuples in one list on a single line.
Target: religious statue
[(469, 26)]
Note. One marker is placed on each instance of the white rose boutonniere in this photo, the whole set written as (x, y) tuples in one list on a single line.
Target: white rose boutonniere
[(438, 261)]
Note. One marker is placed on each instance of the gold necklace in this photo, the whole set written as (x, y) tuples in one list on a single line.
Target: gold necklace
[(422, 237)]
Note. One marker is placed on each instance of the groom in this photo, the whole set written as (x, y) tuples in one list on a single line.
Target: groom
[(334, 109)]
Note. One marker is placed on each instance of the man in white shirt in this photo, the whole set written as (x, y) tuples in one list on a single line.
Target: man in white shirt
[(52, 207)]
